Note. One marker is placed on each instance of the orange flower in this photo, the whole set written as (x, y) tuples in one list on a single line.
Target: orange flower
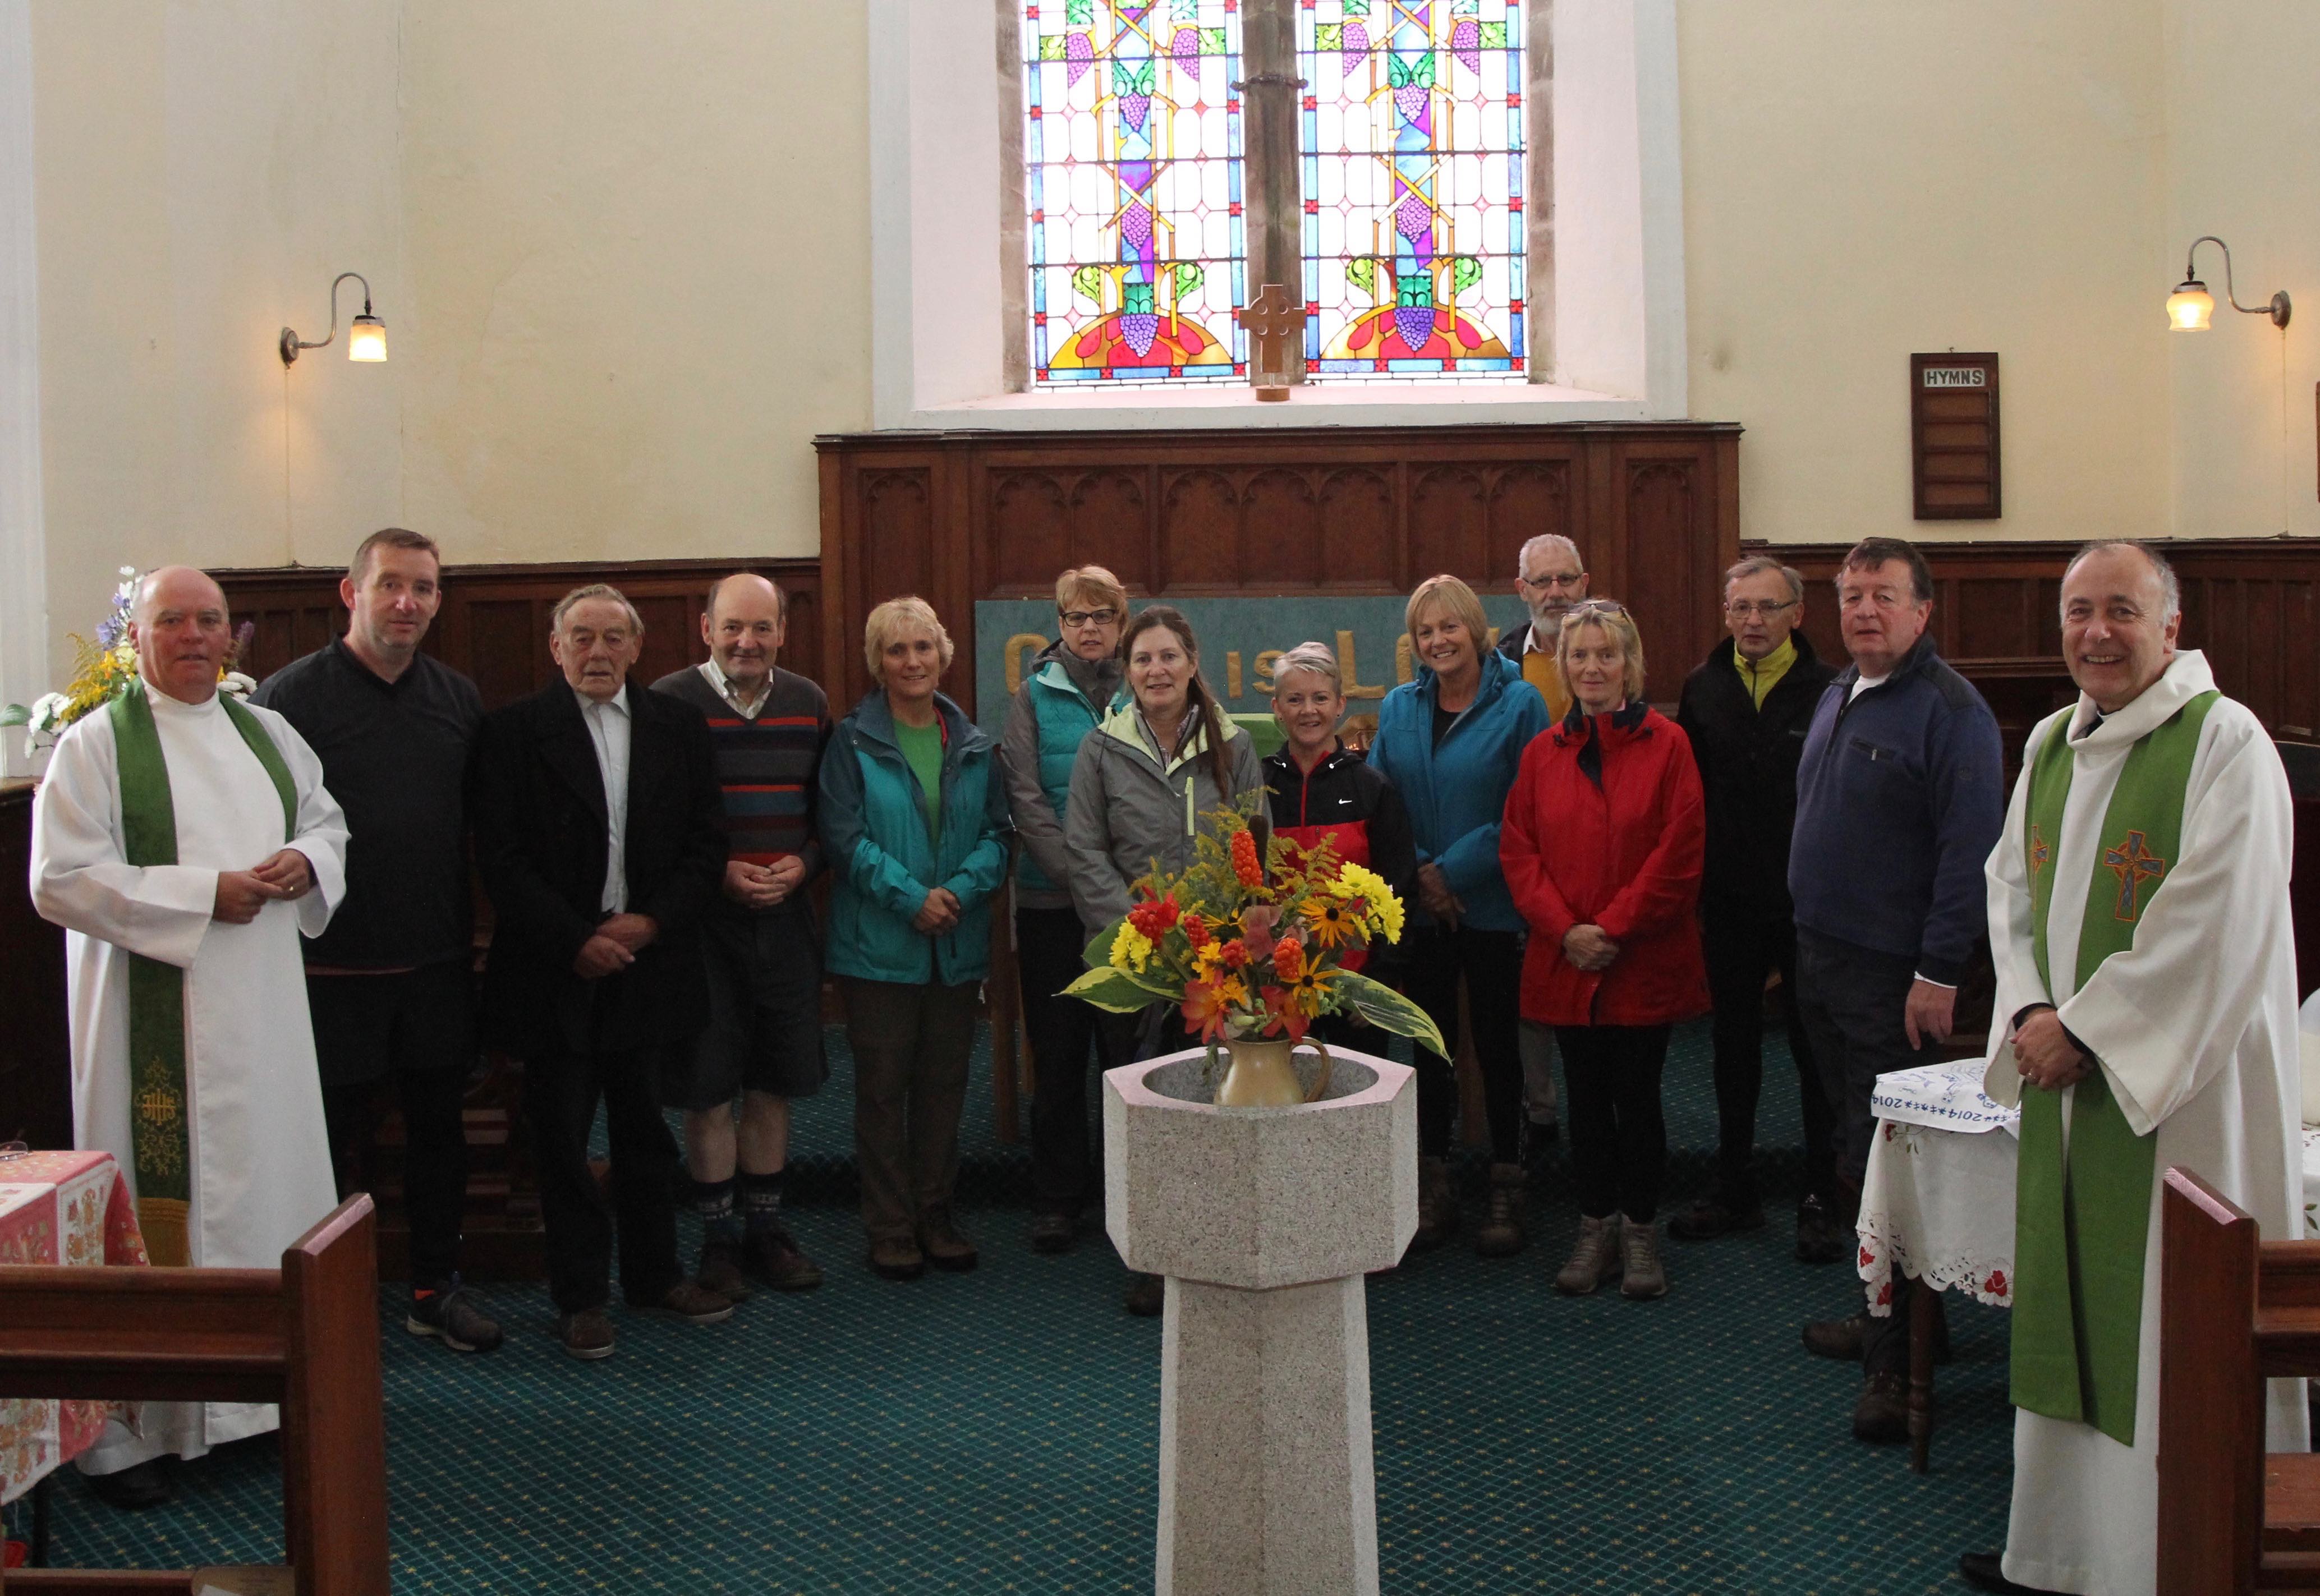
[(1247, 866), (1330, 920), (1207, 1006), (1288, 959)]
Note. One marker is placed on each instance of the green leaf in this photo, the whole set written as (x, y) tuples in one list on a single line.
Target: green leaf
[(1135, 299), (1361, 273), (1184, 11), (1494, 35), (1465, 7), (1144, 78), (1051, 46), (1123, 78), (1115, 990), (1188, 278), (1212, 41), (1422, 75), (1330, 36), (1397, 74), (1089, 282), (1465, 271), (1356, 7), (1079, 13), (16, 714), (1388, 1009)]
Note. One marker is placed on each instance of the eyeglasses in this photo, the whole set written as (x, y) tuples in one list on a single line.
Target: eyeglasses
[(1749, 609), (1075, 619), (1594, 607), (1577, 579)]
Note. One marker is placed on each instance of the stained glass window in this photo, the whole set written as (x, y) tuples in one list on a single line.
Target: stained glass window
[(1132, 143), (1413, 167)]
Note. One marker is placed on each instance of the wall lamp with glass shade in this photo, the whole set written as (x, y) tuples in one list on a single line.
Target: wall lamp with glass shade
[(2190, 307), (365, 335)]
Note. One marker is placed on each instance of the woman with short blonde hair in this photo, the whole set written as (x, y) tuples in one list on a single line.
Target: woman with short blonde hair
[(1614, 622), (913, 818), (1091, 587), (1449, 740)]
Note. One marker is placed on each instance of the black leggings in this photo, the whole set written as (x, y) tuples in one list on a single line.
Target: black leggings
[(1612, 1106), (1492, 962)]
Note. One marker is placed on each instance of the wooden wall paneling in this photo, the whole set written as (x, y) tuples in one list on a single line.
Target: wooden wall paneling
[(1360, 529), (1200, 539), (1449, 521), (1282, 516)]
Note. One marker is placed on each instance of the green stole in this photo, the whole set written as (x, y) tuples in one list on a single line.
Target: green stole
[(2081, 1223), (157, 990)]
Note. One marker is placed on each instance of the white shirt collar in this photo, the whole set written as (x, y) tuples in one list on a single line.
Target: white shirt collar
[(714, 674), (618, 702)]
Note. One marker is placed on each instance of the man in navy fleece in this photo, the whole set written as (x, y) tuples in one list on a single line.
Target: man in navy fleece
[(1899, 799)]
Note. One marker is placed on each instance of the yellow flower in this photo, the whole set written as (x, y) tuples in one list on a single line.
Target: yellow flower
[(1208, 959), (1330, 920), (1384, 910), (1131, 949)]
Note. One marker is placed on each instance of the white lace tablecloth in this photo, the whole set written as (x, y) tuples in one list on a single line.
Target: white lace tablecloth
[(1938, 1198), (1939, 1201)]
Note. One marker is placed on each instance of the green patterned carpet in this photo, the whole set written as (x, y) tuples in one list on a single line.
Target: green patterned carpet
[(997, 1431)]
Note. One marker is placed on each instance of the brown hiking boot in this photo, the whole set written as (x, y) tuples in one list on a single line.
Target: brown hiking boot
[(587, 1335), (1594, 1260), (720, 1270), (1501, 1234), (1881, 1416), (946, 1246), (1437, 1204), (897, 1258), (1641, 1277), (694, 1303)]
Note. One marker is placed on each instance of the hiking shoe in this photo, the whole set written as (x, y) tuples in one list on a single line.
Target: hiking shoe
[(1147, 1294), (770, 1257), (897, 1258), (1839, 1339), (1052, 1232), (587, 1335), (946, 1246), (1710, 1218), (1594, 1260), (1819, 1239), (1641, 1277), (1882, 1415), (694, 1303), (454, 1315), (1437, 1204), (720, 1270), (1501, 1234)]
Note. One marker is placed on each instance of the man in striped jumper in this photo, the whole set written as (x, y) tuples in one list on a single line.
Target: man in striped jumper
[(763, 1040)]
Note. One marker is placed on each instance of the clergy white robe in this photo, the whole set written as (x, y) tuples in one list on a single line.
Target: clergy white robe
[(260, 1157), (2195, 1028)]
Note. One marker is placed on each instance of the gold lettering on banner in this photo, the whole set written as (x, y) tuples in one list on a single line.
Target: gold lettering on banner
[(1232, 673), (1352, 672), (1401, 659), (1012, 652), (1264, 670)]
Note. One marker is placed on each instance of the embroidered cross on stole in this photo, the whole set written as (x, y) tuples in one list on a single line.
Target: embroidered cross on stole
[(160, 1139), (2081, 1223)]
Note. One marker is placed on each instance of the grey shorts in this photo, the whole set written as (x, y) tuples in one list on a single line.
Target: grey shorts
[(764, 1033)]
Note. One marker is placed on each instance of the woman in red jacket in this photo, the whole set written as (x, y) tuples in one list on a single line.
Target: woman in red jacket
[(1601, 848)]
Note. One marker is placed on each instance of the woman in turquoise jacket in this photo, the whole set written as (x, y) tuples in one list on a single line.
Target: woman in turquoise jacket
[(913, 814), (1450, 741)]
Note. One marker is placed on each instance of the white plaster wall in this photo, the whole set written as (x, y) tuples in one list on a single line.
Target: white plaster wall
[(203, 171), (639, 239), (2244, 163), (1863, 181)]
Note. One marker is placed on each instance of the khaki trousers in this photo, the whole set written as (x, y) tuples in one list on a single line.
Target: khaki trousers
[(911, 1045)]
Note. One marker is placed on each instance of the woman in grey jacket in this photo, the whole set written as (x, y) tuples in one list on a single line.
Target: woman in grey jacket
[(1144, 779)]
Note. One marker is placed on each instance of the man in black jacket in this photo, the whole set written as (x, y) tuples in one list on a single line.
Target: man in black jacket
[(1746, 711), (598, 832)]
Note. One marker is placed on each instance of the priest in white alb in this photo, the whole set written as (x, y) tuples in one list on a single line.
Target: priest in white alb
[(2146, 977), (185, 840)]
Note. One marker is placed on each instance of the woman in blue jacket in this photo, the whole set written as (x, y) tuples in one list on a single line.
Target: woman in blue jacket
[(1450, 741), (913, 816)]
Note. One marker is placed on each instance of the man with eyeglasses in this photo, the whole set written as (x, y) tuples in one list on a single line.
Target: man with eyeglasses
[(1552, 578), (1075, 681), (1746, 711)]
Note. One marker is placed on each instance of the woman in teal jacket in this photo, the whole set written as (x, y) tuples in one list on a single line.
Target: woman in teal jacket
[(913, 814), (1451, 741)]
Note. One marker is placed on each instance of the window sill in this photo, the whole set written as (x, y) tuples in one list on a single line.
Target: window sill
[(1317, 405)]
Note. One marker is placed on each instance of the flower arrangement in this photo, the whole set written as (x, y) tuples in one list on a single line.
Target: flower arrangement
[(103, 670), (1252, 948)]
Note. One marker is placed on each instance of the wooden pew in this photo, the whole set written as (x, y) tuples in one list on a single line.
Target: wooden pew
[(304, 1336), (2235, 1311)]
